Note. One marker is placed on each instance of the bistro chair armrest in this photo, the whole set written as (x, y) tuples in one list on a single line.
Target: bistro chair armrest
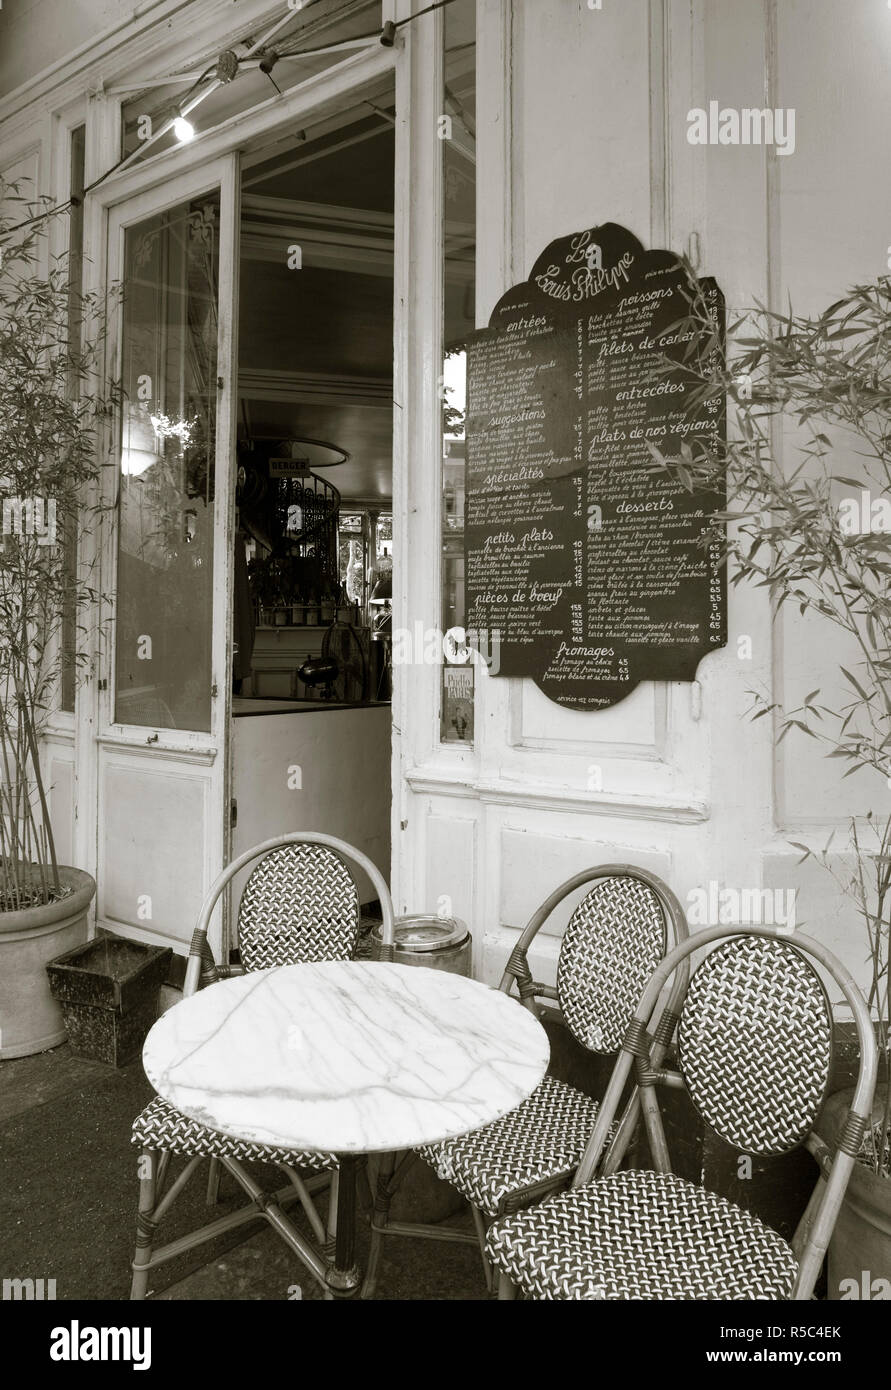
[(517, 970), (660, 1076), (634, 1052), (850, 1140), (820, 1152), (209, 971)]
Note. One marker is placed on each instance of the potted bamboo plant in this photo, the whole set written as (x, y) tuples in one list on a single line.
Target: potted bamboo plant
[(816, 537), (50, 341)]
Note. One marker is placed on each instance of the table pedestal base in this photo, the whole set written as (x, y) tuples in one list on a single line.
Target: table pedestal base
[(343, 1278), (344, 1283)]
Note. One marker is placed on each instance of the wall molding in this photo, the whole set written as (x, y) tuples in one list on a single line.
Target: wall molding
[(201, 757), (678, 811)]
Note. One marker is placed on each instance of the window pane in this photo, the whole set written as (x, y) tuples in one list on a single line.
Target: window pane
[(165, 531)]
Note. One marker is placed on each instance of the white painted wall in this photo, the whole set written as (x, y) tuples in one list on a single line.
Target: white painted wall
[(596, 103)]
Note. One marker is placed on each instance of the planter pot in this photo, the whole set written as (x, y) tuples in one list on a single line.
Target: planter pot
[(859, 1263), (108, 990), (30, 1019)]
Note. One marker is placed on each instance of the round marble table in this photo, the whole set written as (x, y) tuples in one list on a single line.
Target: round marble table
[(346, 1057)]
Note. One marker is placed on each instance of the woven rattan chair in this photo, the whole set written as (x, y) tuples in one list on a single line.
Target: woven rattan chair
[(299, 904), (614, 939), (755, 1055)]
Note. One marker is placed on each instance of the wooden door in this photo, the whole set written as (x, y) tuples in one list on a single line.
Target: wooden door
[(166, 667)]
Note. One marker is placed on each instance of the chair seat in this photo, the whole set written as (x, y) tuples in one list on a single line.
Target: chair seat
[(537, 1145), (162, 1126), (642, 1235)]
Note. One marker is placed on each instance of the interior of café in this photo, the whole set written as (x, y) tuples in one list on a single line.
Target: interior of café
[(313, 545)]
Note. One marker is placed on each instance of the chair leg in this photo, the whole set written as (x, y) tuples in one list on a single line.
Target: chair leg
[(306, 1202), (153, 1207), (161, 1172), (379, 1216), (480, 1222), (213, 1182), (332, 1205), (506, 1288), (330, 1237), (145, 1225), (271, 1209)]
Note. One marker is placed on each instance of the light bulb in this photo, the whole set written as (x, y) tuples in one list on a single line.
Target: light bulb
[(183, 130)]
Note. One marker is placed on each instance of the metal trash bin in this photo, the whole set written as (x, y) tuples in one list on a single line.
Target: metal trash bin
[(439, 943)]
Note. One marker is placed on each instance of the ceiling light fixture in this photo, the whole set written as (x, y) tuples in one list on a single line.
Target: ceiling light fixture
[(268, 60), (227, 66)]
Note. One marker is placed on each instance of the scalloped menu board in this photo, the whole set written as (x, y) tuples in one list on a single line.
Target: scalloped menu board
[(590, 568)]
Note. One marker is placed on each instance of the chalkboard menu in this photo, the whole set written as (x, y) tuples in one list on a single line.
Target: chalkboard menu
[(586, 570)]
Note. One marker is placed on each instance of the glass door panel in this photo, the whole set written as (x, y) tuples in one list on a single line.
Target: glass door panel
[(165, 562)]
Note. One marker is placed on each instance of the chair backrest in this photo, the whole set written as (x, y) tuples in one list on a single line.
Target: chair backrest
[(614, 940), (755, 1051), (755, 1043), (302, 905), (299, 904)]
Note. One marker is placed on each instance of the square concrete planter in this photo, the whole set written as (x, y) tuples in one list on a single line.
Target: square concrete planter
[(108, 991)]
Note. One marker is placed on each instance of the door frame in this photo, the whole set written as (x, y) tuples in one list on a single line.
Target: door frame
[(182, 754), (117, 202)]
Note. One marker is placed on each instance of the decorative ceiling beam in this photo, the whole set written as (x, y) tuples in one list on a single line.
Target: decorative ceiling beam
[(271, 247), (315, 388), (320, 214)]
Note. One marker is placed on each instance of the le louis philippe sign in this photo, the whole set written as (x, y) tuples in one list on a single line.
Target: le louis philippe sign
[(593, 572)]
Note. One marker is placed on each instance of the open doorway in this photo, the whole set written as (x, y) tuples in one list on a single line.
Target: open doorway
[(313, 550)]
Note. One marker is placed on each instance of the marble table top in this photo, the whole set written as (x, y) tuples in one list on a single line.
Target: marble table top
[(346, 1056)]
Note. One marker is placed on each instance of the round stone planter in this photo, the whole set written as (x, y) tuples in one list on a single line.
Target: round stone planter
[(859, 1263), (30, 1019)]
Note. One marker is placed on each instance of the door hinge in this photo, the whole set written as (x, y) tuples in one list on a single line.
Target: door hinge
[(233, 813), (103, 685), (220, 383), (214, 691)]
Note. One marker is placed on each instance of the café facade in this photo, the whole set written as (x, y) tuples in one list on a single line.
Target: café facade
[(312, 208)]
